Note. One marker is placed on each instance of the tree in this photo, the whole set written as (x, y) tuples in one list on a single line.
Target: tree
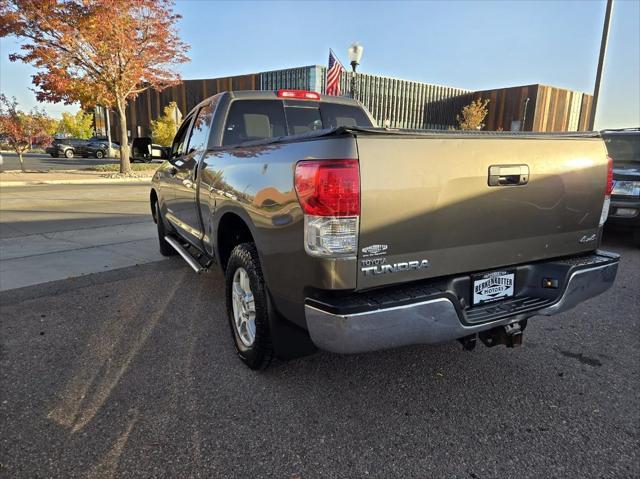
[(164, 128), (79, 125), (96, 51), (473, 115), (23, 130)]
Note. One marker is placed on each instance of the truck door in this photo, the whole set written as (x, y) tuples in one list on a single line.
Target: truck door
[(185, 210)]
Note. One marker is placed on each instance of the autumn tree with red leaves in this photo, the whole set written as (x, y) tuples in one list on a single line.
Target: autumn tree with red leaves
[(21, 130), (96, 52)]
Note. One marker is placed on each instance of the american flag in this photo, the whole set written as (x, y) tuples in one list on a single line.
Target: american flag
[(333, 75)]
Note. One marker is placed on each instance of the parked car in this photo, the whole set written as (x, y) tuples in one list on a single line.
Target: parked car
[(99, 148), (624, 147), (336, 235), (67, 147), (144, 150)]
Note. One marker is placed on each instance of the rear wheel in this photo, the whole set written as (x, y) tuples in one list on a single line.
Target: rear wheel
[(247, 307), (165, 248), (68, 153), (99, 154)]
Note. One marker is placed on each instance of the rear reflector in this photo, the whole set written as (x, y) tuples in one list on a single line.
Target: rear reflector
[(328, 187), (298, 94)]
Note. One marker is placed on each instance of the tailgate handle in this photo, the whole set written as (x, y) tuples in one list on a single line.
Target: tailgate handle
[(508, 175)]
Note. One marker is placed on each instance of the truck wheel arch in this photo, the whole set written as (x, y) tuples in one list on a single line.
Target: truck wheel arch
[(232, 230)]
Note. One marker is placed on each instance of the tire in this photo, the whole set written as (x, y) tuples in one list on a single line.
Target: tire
[(165, 248), (99, 154), (68, 153), (252, 338)]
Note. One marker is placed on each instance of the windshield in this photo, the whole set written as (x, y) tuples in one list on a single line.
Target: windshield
[(623, 147)]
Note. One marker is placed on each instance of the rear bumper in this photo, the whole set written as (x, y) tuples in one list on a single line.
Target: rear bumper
[(624, 211), (440, 316)]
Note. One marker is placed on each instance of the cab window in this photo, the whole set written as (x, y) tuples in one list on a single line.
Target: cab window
[(179, 145), (251, 120), (200, 129)]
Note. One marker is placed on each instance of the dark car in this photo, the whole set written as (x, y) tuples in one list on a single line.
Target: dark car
[(142, 149), (67, 147), (99, 148), (624, 147)]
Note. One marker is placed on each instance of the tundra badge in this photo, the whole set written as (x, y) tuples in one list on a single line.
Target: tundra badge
[(395, 267)]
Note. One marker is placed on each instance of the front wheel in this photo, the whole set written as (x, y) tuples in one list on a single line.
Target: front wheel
[(99, 154), (68, 153), (165, 248), (247, 307)]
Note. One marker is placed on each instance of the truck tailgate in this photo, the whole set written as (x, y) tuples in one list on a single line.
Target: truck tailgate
[(427, 209)]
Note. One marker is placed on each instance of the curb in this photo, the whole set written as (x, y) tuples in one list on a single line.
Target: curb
[(88, 181)]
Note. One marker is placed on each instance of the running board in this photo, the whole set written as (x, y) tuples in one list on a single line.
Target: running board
[(191, 261)]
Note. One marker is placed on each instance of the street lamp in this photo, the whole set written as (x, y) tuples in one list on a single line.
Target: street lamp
[(355, 54)]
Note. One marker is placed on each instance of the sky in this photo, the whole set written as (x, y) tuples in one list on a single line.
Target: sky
[(467, 44)]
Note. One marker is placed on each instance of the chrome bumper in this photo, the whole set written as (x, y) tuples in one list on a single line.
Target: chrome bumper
[(436, 320)]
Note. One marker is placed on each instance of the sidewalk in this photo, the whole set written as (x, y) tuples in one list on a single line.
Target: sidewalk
[(69, 177), (60, 232)]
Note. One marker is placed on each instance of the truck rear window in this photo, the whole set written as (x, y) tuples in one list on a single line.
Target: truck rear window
[(251, 120)]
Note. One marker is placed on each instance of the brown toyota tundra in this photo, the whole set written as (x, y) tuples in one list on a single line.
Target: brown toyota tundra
[(337, 235)]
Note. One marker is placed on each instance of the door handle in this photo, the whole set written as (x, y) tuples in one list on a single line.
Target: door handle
[(508, 175)]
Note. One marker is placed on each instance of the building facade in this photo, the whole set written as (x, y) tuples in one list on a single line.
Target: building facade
[(536, 108), (393, 102)]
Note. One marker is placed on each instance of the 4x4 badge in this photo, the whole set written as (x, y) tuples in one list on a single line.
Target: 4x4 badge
[(587, 239)]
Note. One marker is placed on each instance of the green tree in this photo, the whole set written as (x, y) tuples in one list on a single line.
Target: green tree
[(164, 128), (473, 115), (79, 125)]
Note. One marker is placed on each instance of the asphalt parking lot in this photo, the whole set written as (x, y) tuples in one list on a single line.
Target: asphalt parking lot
[(37, 161), (132, 372)]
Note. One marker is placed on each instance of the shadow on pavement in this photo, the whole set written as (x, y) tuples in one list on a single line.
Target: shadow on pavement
[(132, 372)]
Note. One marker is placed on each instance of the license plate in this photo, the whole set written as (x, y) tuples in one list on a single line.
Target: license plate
[(494, 286)]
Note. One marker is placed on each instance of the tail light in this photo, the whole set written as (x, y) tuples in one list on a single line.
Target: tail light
[(607, 192), (329, 194)]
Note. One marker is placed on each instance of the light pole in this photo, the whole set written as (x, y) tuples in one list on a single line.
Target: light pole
[(603, 53), (355, 54)]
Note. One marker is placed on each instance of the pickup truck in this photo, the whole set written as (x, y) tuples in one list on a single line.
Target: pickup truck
[(336, 235), (624, 148)]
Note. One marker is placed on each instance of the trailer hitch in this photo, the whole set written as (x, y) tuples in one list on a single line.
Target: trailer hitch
[(510, 335)]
